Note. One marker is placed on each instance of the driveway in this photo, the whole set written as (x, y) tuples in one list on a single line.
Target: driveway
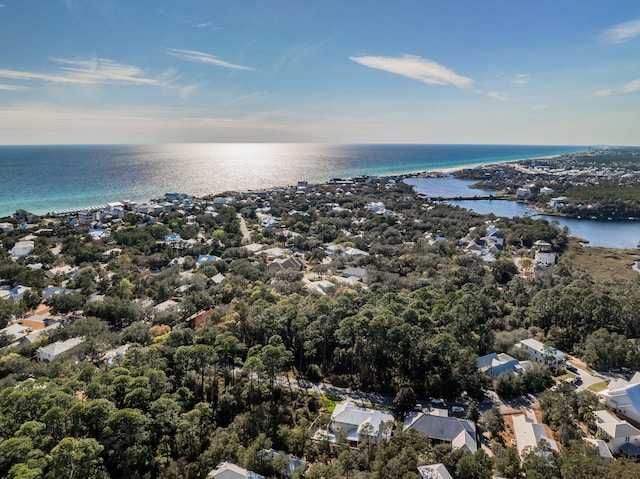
[(588, 377)]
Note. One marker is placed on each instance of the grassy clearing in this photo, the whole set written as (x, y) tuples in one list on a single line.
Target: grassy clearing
[(605, 264)]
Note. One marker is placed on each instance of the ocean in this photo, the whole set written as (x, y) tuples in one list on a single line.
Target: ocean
[(42, 179)]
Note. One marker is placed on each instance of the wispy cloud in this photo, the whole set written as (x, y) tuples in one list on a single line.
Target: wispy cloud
[(187, 91), (622, 32), (12, 87), (630, 87), (605, 92), (498, 95), (520, 79), (206, 25), (247, 97), (90, 71), (540, 106), (417, 68), (200, 57)]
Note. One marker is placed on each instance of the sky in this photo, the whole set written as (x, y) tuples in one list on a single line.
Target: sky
[(328, 71)]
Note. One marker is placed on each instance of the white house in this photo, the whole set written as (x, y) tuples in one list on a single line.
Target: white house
[(360, 424), (21, 248), (16, 331), (544, 256), (624, 397), (529, 434), (269, 222), (624, 438), (46, 354), (227, 470), (319, 286), (172, 238), (541, 353), (434, 471), (17, 292), (6, 227)]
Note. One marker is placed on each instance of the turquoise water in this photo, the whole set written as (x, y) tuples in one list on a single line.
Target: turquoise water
[(41, 179)]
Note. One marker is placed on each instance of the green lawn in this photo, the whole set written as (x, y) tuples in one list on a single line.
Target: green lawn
[(330, 402), (597, 387)]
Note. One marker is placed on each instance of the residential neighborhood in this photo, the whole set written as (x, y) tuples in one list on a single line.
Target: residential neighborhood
[(326, 295)]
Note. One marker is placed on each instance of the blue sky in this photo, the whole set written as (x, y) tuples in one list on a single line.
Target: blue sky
[(336, 71)]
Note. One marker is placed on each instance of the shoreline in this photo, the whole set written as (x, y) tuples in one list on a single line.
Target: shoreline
[(422, 172)]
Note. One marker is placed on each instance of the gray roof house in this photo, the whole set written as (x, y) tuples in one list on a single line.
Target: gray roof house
[(624, 438), (360, 424), (46, 354), (227, 470), (529, 434), (495, 364), (461, 433)]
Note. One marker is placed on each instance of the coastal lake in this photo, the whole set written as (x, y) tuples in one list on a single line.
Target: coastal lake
[(609, 234)]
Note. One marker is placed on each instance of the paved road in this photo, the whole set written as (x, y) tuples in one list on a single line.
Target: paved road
[(588, 377), (326, 388)]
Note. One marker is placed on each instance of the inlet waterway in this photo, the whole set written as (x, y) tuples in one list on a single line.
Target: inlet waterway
[(609, 234)]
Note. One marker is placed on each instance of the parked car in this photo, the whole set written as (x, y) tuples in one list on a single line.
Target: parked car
[(572, 368)]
